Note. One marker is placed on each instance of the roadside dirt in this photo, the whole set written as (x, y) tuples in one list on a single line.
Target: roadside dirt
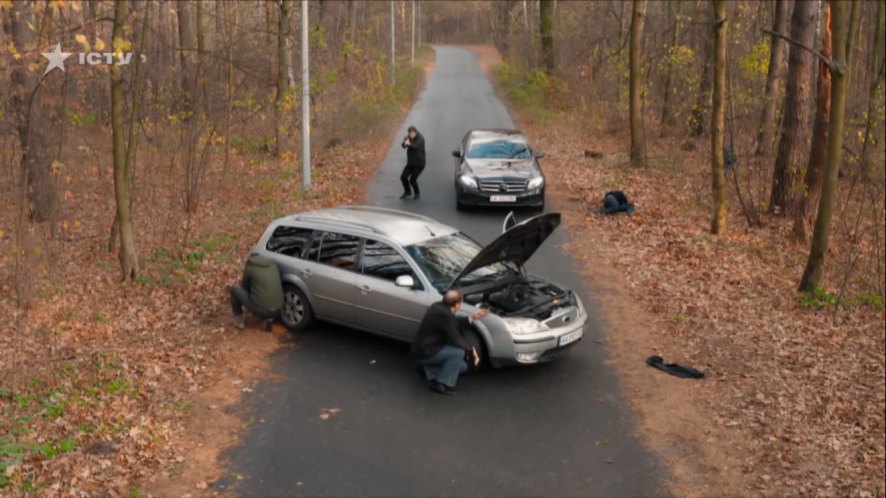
[(793, 400)]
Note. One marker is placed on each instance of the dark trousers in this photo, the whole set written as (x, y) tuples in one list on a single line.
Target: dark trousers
[(445, 366), (409, 177), (240, 299)]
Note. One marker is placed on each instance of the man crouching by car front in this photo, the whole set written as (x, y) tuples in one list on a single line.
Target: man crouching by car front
[(439, 348)]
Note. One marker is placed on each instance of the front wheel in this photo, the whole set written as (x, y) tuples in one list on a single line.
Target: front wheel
[(297, 314), (474, 339)]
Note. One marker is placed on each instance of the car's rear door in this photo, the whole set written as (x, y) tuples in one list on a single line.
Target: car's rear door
[(382, 306), (330, 271)]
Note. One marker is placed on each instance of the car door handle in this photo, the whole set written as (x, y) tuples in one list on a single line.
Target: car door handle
[(365, 289)]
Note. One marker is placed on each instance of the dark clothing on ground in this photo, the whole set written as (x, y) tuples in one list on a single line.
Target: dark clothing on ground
[(415, 151), (438, 328), (260, 291), (409, 179), (673, 368)]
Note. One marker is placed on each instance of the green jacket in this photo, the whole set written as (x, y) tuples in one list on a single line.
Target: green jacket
[(262, 280)]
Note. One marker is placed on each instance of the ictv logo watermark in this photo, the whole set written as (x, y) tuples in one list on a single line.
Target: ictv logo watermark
[(57, 58)]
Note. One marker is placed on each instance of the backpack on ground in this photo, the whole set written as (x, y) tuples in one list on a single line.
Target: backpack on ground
[(615, 201)]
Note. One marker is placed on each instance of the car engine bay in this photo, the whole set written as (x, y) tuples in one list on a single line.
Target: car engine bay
[(526, 297)]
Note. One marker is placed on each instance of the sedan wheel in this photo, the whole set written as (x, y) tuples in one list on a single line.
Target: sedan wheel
[(297, 313)]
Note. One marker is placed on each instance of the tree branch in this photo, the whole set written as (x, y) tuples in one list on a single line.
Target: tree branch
[(790, 40)]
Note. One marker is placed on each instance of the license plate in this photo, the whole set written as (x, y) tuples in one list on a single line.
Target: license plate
[(503, 198), (570, 337)]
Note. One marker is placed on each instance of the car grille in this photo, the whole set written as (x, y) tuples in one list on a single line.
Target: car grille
[(503, 186)]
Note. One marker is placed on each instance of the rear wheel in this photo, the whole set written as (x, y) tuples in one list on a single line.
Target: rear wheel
[(474, 339), (297, 314)]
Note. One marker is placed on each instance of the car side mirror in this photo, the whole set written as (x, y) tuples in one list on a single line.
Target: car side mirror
[(539, 155), (405, 281), (456, 153)]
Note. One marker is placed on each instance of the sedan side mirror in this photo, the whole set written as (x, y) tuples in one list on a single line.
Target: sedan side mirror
[(405, 281), (539, 155), (456, 153)]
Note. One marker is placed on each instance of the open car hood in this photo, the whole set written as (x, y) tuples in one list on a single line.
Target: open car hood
[(516, 245)]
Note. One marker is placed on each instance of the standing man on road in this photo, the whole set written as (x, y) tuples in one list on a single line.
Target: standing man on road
[(439, 347), (260, 291), (414, 143)]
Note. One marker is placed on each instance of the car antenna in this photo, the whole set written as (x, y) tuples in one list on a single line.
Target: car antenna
[(430, 231)]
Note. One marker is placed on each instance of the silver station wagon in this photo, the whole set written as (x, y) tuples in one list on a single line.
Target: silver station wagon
[(378, 270)]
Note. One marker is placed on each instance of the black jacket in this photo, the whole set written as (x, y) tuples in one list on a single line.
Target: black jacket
[(438, 328), (415, 151)]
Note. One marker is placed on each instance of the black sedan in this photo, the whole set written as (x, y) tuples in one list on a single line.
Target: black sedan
[(496, 167)]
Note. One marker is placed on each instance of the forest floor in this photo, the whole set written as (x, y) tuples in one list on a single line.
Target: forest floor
[(793, 400), (131, 390)]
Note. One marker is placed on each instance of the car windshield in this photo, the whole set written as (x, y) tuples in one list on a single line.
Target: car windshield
[(509, 148), (443, 258)]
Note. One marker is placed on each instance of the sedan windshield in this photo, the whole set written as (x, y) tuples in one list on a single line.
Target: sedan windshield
[(499, 149), (443, 258)]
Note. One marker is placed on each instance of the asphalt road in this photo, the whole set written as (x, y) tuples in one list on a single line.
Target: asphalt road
[(558, 429)]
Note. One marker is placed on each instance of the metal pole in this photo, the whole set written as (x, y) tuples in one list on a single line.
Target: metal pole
[(413, 32), (393, 51), (305, 102)]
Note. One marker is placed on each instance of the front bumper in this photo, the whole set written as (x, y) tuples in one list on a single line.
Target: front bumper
[(468, 196), (541, 347)]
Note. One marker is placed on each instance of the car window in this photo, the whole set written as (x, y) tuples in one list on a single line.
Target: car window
[(509, 148), (314, 249), (339, 250), (290, 241), (442, 259), (383, 261)]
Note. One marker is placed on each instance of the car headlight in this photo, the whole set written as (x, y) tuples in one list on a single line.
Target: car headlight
[(521, 326), (467, 181), (536, 182)]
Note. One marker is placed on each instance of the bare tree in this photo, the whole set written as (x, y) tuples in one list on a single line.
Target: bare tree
[(127, 255), (806, 199), (667, 112), (839, 69), (546, 27), (638, 131), (285, 76), (718, 177), (774, 76), (797, 96), (30, 111)]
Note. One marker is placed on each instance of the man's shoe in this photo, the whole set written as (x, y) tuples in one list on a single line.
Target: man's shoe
[(442, 389), (416, 197), (239, 322), (406, 196)]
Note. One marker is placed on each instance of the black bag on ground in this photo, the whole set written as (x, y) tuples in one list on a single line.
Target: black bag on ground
[(615, 201)]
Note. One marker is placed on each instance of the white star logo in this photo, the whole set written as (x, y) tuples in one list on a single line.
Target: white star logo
[(56, 58)]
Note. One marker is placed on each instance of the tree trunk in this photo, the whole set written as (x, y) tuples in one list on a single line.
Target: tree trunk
[(839, 69), (806, 199), (546, 26), (285, 77), (797, 96), (186, 55), (875, 68), (696, 116), (718, 177), (774, 76), (667, 113), (127, 255), (32, 120), (638, 131), (350, 33)]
